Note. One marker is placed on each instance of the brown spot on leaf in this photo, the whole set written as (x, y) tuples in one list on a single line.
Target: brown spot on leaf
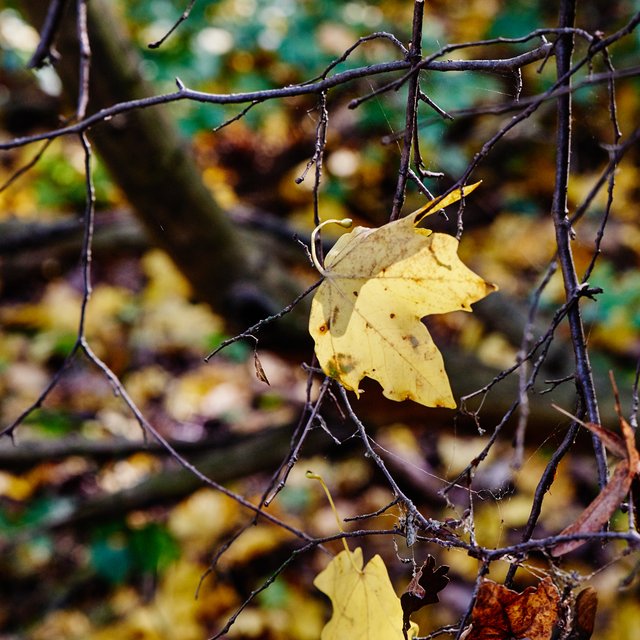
[(412, 340), (340, 364)]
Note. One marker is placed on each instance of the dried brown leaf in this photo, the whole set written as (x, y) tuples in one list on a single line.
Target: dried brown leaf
[(584, 618), (594, 517), (502, 614), (423, 588), (611, 440), (260, 374)]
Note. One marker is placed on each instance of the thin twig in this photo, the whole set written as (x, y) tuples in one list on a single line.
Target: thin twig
[(633, 419), (184, 93), (26, 167), (45, 52), (562, 81), (372, 36), (249, 334), (85, 60), (414, 56), (544, 484), (237, 117), (584, 377), (482, 572), (431, 63), (184, 16), (435, 527), (281, 475), (519, 105)]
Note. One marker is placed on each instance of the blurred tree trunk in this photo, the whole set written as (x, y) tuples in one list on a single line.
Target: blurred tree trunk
[(241, 279)]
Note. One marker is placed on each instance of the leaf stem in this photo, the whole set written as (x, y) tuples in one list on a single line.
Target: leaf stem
[(345, 222), (315, 476)]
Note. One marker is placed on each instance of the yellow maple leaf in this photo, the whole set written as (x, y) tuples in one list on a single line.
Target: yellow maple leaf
[(378, 284), (365, 605)]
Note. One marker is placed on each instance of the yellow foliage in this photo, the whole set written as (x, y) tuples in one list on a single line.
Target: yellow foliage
[(59, 310), (624, 622), (510, 245), (125, 474), (173, 607), (378, 284), (147, 383), (174, 323), (209, 391), (192, 523), (72, 625), (254, 542), (618, 333), (165, 281), (107, 303), (15, 487), (365, 605), (300, 618)]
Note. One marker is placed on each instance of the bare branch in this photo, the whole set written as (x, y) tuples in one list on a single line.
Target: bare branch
[(85, 60), (184, 16), (46, 53), (185, 93), (414, 56)]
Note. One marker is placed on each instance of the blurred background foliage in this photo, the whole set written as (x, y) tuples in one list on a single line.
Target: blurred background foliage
[(133, 575)]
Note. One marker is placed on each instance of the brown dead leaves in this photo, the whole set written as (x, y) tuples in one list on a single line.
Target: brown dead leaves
[(502, 614), (423, 589)]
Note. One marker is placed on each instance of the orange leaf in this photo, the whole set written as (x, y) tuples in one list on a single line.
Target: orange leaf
[(502, 614)]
